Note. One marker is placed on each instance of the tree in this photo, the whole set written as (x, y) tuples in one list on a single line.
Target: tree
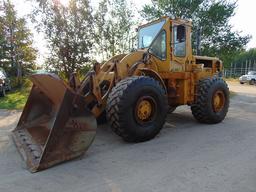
[(210, 18), (114, 33), (2, 42), (17, 56), (68, 31), (246, 56)]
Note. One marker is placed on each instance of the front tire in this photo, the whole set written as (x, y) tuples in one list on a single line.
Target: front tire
[(102, 119), (137, 108), (252, 82), (212, 101)]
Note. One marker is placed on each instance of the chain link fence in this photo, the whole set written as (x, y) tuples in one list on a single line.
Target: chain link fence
[(239, 69)]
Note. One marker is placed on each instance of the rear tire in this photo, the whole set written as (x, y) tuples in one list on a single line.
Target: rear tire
[(212, 101), (126, 103)]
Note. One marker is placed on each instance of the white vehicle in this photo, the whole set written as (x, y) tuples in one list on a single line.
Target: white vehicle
[(5, 83), (249, 78)]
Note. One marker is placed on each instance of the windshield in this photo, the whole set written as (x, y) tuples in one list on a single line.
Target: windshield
[(251, 73), (147, 34)]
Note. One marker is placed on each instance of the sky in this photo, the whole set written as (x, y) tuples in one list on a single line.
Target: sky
[(241, 22)]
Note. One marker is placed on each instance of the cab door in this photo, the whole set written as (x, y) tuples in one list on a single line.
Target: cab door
[(181, 46)]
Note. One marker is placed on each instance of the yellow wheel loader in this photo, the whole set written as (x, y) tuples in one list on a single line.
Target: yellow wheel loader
[(134, 91)]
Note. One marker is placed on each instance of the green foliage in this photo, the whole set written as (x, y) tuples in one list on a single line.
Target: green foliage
[(84, 70), (246, 56), (77, 36), (114, 28), (211, 17), (26, 83), (17, 56), (16, 98), (68, 31)]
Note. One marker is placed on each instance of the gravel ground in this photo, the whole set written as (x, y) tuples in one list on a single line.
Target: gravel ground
[(185, 157)]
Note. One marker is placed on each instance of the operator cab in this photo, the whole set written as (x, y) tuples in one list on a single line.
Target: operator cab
[(168, 40), (151, 37)]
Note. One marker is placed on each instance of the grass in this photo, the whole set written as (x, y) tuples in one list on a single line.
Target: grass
[(15, 99)]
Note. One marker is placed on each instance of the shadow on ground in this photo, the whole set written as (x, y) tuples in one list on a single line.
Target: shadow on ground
[(186, 156)]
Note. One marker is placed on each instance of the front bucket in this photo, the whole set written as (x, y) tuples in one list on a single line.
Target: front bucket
[(55, 125)]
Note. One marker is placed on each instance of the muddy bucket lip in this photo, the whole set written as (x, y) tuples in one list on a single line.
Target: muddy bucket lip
[(26, 145), (36, 164)]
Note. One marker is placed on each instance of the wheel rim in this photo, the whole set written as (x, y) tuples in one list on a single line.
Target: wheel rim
[(218, 101), (145, 109)]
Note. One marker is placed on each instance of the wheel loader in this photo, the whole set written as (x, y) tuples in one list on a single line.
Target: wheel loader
[(133, 92)]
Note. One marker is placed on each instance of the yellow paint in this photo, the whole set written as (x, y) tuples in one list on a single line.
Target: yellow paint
[(178, 74)]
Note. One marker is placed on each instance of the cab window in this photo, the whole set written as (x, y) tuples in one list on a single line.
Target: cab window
[(179, 32), (158, 47)]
